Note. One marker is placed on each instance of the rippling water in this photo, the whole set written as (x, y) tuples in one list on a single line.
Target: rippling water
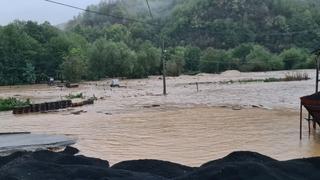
[(190, 136)]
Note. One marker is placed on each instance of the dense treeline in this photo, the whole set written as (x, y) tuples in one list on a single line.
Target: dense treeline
[(200, 36), (224, 24)]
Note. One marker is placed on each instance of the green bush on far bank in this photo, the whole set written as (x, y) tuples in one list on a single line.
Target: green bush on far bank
[(75, 96), (254, 58), (8, 104)]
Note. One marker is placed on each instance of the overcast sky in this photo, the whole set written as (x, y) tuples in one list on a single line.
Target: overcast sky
[(40, 10)]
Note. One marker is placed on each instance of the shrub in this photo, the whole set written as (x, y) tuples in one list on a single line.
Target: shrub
[(294, 58), (259, 59), (75, 96), (241, 52), (311, 62), (10, 103), (148, 61), (192, 58), (74, 66), (296, 76), (215, 61)]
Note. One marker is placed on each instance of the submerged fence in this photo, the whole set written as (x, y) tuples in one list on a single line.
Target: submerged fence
[(50, 106), (43, 107)]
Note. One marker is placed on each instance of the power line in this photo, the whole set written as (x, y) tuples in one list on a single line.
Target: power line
[(100, 13), (149, 9), (164, 69)]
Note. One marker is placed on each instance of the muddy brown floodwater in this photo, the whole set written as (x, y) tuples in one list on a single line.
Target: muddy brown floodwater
[(187, 127)]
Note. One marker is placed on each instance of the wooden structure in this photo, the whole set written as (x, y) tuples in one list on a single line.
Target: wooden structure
[(69, 85), (43, 107), (312, 102), (51, 106)]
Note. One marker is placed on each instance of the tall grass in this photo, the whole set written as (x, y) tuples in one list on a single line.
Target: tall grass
[(295, 76)]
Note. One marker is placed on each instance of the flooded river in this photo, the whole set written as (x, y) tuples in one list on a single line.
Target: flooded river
[(188, 136), (187, 128)]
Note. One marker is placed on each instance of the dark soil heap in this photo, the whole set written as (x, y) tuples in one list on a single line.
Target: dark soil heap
[(236, 166)]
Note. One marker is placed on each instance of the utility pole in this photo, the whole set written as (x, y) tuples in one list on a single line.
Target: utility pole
[(317, 74), (163, 54), (163, 59)]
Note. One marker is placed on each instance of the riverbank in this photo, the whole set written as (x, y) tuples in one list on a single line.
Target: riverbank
[(238, 165)]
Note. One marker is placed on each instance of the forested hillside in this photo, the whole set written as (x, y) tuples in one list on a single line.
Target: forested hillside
[(200, 36), (275, 24)]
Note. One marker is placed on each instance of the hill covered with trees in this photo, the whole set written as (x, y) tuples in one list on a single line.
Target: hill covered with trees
[(200, 36)]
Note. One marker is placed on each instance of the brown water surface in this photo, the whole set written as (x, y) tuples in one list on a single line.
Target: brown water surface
[(190, 136)]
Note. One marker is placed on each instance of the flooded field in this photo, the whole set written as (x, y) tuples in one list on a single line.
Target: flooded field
[(188, 127)]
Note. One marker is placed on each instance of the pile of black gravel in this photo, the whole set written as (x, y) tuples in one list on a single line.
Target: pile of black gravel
[(236, 166)]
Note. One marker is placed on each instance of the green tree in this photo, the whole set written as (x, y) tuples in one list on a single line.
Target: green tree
[(97, 64), (258, 59), (56, 50), (113, 59), (17, 50), (175, 65), (192, 58), (215, 61), (294, 58), (40, 32), (241, 52), (29, 74), (149, 58), (117, 33), (74, 66)]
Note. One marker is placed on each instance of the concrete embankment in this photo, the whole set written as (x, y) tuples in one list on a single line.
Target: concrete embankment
[(238, 165)]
